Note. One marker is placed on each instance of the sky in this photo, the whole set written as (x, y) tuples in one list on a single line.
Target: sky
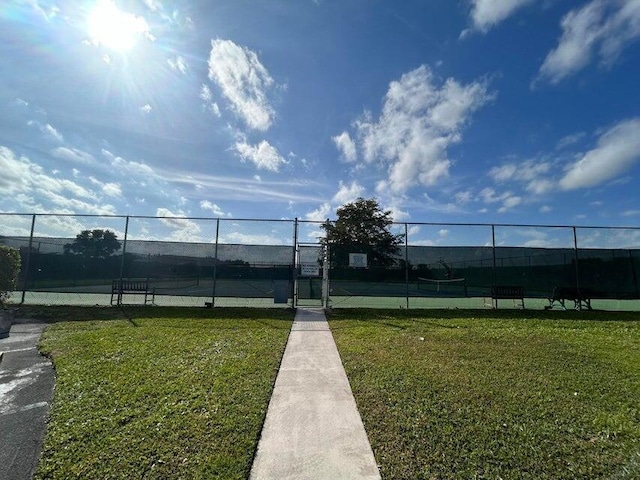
[(461, 111)]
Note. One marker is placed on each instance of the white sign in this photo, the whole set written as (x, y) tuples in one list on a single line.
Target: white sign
[(358, 260), (309, 270)]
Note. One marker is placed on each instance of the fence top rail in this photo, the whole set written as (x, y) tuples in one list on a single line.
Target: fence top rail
[(301, 221)]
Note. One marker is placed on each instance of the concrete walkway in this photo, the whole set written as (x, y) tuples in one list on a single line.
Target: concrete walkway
[(313, 429), (26, 391)]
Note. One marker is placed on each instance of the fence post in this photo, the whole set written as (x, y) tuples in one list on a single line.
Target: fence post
[(406, 260), (633, 273), (575, 249), (124, 254), (493, 243), (294, 269), (28, 261), (215, 264)]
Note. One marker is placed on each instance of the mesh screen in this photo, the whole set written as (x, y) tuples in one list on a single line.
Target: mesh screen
[(244, 262)]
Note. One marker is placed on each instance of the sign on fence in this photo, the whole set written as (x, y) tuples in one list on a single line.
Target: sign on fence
[(358, 260), (309, 270)]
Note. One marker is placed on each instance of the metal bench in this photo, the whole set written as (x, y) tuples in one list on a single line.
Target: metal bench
[(508, 292), (581, 298), (132, 286)]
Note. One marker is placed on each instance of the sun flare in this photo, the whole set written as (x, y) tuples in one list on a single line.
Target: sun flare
[(113, 28)]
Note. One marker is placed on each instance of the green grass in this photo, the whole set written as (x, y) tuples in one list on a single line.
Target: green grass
[(158, 392), (488, 395)]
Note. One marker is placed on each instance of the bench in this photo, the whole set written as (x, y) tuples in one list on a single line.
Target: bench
[(132, 286), (581, 298), (508, 292)]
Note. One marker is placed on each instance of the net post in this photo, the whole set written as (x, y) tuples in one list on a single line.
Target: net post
[(28, 261)]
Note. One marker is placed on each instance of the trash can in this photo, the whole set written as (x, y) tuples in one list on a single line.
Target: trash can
[(281, 291)]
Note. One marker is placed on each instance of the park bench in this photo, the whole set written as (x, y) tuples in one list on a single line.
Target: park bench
[(581, 298), (133, 286), (508, 292)]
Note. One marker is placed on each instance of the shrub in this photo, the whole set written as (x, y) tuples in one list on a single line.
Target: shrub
[(9, 270)]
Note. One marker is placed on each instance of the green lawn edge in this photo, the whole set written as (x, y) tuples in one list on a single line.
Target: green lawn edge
[(496, 394), (147, 392)]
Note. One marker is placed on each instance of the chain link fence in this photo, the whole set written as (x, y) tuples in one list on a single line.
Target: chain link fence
[(244, 262)]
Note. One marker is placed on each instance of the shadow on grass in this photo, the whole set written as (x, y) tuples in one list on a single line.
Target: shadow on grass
[(271, 317), (385, 316)]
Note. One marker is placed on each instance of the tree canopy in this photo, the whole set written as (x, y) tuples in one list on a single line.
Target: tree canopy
[(362, 227), (94, 244)]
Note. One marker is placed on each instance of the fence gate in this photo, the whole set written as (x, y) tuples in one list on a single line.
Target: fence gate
[(310, 288)]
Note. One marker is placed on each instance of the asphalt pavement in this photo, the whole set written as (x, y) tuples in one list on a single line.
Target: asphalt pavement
[(26, 391)]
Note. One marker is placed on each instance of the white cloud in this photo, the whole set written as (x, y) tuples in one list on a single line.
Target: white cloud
[(569, 140), (27, 184), (23, 180), (146, 109), (112, 189), (263, 155), (205, 93), (184, 229), (243, 81), (178, 64), (617, 150), (321, 213), (419, 122), (73, 155), (215, 109), (599, 26), (153, 5), (346, 146), (507, 199), (348, 193), (510, 202), (533, 173), (464, 197), (127, 167), (47, 130), (486, 14), (16, 172), (212, 207)]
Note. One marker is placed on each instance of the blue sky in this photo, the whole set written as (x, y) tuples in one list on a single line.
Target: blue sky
[(505, 111)]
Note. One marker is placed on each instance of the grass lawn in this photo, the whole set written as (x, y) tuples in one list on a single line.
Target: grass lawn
[(496, 395), (159, 392)]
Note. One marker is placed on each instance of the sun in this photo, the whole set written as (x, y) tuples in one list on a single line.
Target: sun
[(113, 28)]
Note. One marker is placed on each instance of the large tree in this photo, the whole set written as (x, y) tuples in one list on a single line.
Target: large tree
[(94, 244), (362, 227)]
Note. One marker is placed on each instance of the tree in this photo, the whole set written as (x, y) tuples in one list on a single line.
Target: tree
[(93, 244), (9, 270), (362, 227)]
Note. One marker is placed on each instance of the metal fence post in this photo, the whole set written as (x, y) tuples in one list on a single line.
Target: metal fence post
[(28, 261), (493, 244), (124, 254), (294, 269), (406, 260), (633, 273), (575, 248), (215, 265)]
